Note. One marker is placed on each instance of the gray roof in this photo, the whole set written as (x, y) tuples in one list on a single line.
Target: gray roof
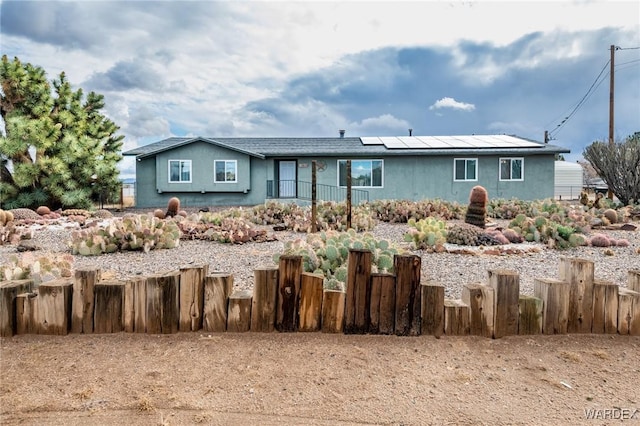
[(338, 146)]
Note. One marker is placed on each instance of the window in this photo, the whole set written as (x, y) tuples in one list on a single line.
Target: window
[(364, 173), (225, 170), (465, 169), (180, 171), (511, 169)]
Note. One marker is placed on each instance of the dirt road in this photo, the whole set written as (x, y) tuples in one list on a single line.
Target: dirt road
[(317, 379)]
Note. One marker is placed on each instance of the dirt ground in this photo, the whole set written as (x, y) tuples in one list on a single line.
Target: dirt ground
[(318, 379)]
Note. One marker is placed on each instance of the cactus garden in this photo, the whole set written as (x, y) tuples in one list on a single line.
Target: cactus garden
[(486, 226)]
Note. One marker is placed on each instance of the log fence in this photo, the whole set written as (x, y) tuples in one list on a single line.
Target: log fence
[(286, 299)]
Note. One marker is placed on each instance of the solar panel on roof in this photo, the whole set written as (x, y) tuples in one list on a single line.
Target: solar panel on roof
[(450, 142), (372, 140), (393, 143), (413, 142)]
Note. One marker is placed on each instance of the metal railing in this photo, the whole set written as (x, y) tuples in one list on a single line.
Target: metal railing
[(291, 189), (567, 192)]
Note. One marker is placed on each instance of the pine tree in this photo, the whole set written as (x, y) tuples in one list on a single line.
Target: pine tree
[(57, 149)]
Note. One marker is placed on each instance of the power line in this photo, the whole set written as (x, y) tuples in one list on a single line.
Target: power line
[(594, 85)]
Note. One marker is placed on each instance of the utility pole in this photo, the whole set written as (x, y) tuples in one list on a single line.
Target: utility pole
[(611, 92)]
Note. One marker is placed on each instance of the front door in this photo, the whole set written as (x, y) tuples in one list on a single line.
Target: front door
[(287, 178)]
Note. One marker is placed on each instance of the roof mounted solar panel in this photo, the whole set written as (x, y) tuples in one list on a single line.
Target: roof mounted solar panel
[(450, 142), (393, 142), (413, 142), (371, 140)]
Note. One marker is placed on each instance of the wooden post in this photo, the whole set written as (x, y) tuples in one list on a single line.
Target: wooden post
[(432, 308), (192, 297), (456, 318), (314, 208), (108, 312), (357, 306), (333, 302), (27, 313), (349, 194), (54, 306), (579, 274), (605, 307), (480, 299), (383, 303), (289, 277), (555, 304), (129, 303), (83, 299), (628, 312), (311, 301), (634, 280), (217, 289), (8, 293), (506, 286), (408, 294), (162, 303), (265, 294), (239, 314), (139, 304), (530, 321)]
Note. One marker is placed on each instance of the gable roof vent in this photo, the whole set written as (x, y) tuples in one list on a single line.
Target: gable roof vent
[(341, 133)]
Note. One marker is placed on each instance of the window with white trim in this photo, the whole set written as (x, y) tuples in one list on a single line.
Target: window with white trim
[(364, 173), (512, 169), (465, 169), (179, 171), (225, 171)]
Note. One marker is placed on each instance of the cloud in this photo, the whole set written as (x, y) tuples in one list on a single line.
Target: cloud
[(311, 68), (448, 102), (385, 124), (128, 75)]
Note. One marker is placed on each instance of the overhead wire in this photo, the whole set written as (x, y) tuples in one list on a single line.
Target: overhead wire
[(596, 83), (593, 86)]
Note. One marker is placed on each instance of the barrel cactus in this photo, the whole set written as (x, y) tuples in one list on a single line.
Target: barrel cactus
[(477, 210), (464, 234), (173, 207)]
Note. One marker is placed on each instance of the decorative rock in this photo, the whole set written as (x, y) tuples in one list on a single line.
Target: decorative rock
[(27, 245)]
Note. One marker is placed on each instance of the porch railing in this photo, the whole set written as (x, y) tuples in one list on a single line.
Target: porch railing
[(291, 189)]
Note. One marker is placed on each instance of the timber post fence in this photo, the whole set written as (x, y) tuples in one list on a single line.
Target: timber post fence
[(287, 299)]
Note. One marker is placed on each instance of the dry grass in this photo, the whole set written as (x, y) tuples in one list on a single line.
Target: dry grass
[(571, 356), (202, 418), (601, 354), (84, 394), (145, 404)]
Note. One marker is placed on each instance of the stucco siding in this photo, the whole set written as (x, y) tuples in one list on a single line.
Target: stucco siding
[(404, 177)]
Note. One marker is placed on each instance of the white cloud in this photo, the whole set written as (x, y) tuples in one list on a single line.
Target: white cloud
[(380, 125), (165, 67), (448, 102)]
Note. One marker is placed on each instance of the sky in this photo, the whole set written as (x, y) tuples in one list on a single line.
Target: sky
[(373, 68)]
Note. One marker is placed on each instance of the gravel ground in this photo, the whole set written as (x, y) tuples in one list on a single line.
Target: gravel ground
[(453, 270)]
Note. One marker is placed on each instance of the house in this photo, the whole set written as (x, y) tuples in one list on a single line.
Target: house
[(247, 171)]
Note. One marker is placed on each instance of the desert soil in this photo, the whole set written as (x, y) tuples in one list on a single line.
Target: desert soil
[(318, 379)]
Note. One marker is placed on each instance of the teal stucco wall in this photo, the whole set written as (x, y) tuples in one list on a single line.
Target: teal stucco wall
[(405, 177), (417, 178)]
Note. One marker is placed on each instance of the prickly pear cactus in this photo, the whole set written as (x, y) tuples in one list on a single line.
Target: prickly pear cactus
[(429, 233), (327, 253), (132, 232)]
